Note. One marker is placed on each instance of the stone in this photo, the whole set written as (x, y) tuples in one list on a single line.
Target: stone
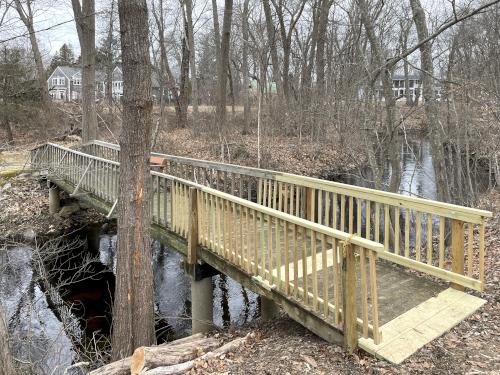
[(29, 234), (69, 210)]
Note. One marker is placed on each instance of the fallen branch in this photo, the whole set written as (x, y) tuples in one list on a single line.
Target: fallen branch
[(182, 368)]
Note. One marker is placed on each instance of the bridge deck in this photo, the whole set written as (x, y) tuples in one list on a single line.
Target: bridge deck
[(297, 263)]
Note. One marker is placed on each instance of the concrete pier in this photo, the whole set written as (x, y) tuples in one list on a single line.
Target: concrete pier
[(54, 201), (268, 309), (202, 310)]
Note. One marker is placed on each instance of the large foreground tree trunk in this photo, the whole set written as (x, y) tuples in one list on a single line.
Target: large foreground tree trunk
[(85, 26), (133, 312), (6, 367)]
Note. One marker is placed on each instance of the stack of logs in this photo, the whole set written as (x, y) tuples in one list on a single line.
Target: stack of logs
[(176, 357)]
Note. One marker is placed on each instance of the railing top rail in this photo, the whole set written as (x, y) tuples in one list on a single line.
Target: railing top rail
[(453, 211), (78, 153)]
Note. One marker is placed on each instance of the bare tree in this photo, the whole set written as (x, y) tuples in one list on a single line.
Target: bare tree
[(85, 26), (133, 312), (188, 14), (224, 63), (26, 14), (430, 102), (244, 66)]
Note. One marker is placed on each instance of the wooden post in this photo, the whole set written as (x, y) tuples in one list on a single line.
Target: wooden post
[(457, 250), (193, 226), (349, 313), (309, 203)]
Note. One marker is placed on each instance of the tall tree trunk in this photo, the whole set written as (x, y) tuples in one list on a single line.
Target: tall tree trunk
[(430, 102), (244, 68), (109, 60), (85, 26), (170, 80), (133, 311), (26, 15), (224, 63), (6, 366), (390, 143), (271, 36), (192, 58), (321, 41)]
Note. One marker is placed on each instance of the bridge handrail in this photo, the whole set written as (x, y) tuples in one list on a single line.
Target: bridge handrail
[(448, 210)]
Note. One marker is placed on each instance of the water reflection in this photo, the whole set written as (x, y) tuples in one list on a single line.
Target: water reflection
[(38, 337)]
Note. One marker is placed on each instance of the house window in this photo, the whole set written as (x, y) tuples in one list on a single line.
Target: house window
[(62, 81), (77, 81)]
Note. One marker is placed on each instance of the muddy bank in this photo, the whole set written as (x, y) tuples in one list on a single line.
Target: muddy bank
[(24, 208)]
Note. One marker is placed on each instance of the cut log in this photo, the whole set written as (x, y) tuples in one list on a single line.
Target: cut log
[(182, 368), (148, 357), (122, 367)]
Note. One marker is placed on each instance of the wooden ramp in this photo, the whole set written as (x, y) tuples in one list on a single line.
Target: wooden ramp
[(410, 331)]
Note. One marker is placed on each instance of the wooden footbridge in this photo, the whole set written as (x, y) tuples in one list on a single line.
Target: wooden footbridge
[(360, 266)]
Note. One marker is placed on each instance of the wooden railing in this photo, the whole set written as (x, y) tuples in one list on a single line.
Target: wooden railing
[(309, 263), (440, 239)]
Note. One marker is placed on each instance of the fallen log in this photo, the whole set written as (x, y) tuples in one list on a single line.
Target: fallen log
[(182, 368), (147, 357), (122, 366)]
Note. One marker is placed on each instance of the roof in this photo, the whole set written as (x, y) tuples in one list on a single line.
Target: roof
[(401, 76), (69, 71)]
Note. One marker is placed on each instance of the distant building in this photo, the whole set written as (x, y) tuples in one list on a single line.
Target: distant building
[(65, 84), (399, 90)]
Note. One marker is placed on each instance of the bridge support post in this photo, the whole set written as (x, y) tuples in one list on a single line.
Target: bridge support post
[(268, 309), (54, 201), (202, 309)]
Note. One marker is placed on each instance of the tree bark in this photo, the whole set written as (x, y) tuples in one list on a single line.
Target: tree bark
[(85, 26), (192, 58), (122, 366), (430, 102), (109, 60), (390, 143), (244, 68), (6, 366), (133, 310), (224, 63), (321, 41), (156, 356), (26, 16), (271, 36)]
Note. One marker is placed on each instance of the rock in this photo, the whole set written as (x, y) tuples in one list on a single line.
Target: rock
[(69, 210), (29, 234), (7, 186)]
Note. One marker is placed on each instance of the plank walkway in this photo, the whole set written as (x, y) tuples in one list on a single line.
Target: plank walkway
[(328, 280)]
